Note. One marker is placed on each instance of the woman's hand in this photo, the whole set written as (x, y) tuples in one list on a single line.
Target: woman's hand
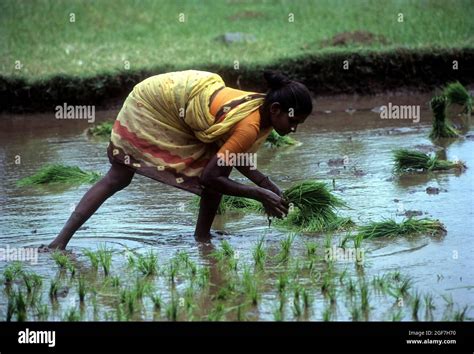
[(269, 185), (273, 204)]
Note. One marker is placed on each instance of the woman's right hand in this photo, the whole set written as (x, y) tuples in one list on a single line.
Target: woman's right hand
[(273, 204)]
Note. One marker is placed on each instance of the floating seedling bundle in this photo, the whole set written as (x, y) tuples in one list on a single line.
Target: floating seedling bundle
[(277, 140), (406, 160), (102, 129), (59, 174), (390, 228), (314, 208)]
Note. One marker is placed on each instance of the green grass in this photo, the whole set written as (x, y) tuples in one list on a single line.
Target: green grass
[(108, 34), (408, 227), (53, 174), (276, 140), (102, 129), (406, 160)]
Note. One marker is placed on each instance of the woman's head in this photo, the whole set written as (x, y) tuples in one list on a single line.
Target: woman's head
[(287, 102)]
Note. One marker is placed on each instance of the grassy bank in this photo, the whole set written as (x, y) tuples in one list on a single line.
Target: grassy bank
[(92, 50)]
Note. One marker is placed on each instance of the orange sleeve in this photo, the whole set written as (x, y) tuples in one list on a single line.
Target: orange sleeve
[(243, 136)]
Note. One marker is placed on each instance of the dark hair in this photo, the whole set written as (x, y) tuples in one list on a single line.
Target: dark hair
[(289, 93)]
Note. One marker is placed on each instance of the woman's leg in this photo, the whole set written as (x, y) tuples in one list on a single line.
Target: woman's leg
[(115, 180), (208, 206)]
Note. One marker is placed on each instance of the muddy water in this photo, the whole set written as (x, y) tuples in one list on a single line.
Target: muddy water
[(149, 215)]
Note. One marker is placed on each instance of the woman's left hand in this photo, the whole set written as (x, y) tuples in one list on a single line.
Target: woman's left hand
[(268, 184)]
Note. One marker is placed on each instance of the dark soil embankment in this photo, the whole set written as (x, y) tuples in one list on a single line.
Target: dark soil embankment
[(367, 73)]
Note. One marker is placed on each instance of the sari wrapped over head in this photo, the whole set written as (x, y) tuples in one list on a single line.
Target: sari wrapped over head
[(165, 129)]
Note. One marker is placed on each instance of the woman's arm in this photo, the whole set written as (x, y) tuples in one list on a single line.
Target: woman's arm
[(259, 179), (214, 177)]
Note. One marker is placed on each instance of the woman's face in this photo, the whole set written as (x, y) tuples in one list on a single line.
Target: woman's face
[(284, 122)]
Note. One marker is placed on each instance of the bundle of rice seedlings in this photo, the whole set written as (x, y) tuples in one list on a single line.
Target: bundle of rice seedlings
[(230, 202), (406, 160), (442, 128), (233, 203), (59, 174), (277, 140), (314, 208), (329, 222), (390, 228), (102, 129), (456, 93), (312, 198)]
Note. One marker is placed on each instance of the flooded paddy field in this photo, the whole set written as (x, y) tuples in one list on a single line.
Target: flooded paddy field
[(137, 259)]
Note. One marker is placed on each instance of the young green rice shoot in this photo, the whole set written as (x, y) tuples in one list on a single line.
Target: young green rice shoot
[(61, 259), (53, 289), (259, 254), (32, 282), (282, 282), (311, 248), (12, 272), (250, 286), (20, 305), (148, 264), (172, 308), (81, 288), (105, 258), (157, 301), (415, 305), (72, 315), (285, 247), (93, 258), (460, 315)]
